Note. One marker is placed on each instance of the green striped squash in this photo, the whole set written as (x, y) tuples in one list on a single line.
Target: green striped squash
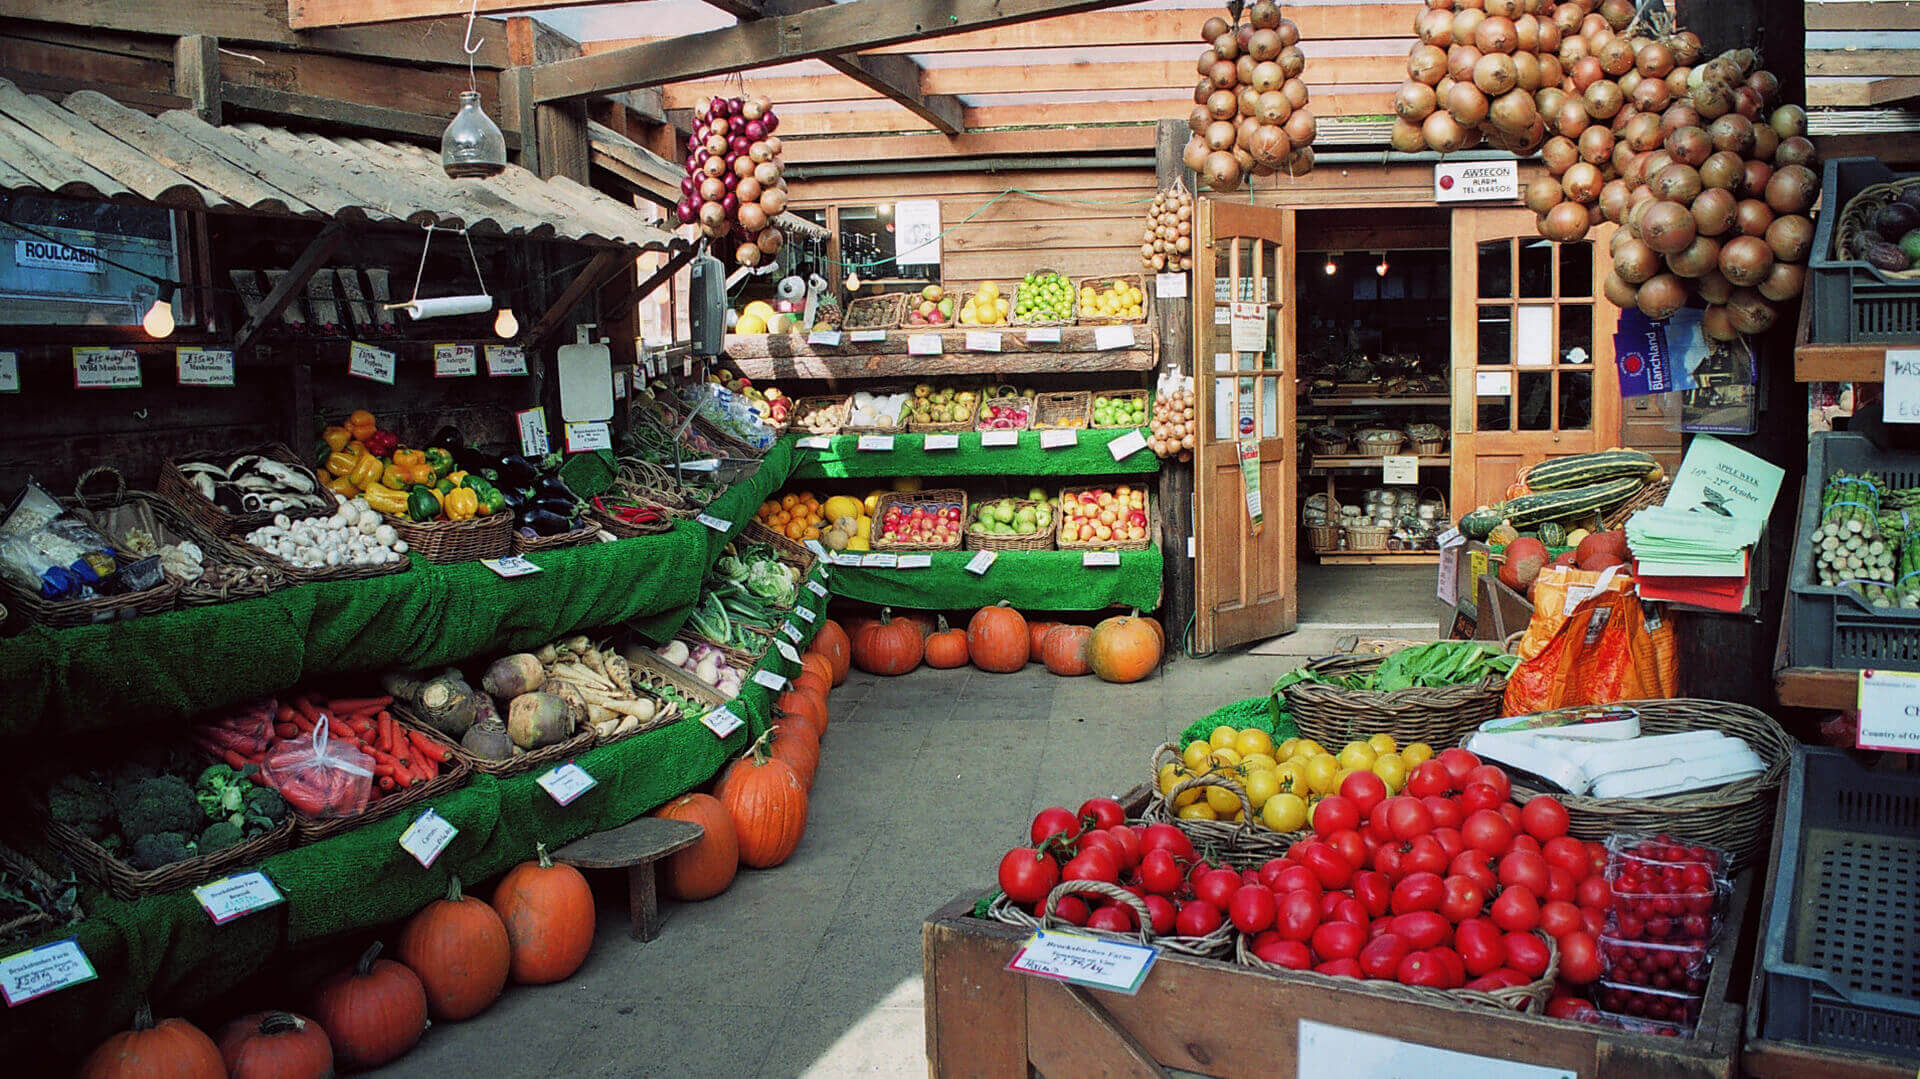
[(1583, 469), (1542, 506)]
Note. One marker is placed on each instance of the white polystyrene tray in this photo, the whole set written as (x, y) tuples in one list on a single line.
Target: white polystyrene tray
[(1599, 759), (1548, 760), (1738, 761)]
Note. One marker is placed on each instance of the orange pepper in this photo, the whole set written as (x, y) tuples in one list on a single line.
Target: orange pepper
[(362, 424), (407, 458), (336, 438)]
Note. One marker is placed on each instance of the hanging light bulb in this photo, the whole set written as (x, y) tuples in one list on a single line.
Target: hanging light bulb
[(853, 281), (1331, 267), (505, 326), (158, 321), (472, 145), (1381, 269)]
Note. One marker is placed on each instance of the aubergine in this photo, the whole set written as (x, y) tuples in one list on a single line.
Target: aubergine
[(559, 507), (1888, 257), (514, 500), (448, 438), (516, 471), (554, 487), (544, 523), (1895, 220), (473, 459)]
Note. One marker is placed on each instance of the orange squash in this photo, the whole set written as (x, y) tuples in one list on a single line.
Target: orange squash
[(947, 647), (813, 684), (1065, 650), (707, 868), (768, 803), (832, 642), (795, 708), (997, 639), (276, 1045), (374, 1011), (548, 911), (1037, 638), (170, 1049), (459, 948), (820, 665), (1124, 649), (889, 646), (799, 748)]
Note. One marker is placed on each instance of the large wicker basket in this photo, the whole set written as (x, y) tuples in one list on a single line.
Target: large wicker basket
[(980, 421), (233, 570), (1323, 538), (454, 772), (1367, 538), (833, 410), (882, 312), (1068, 409), (1097, 285), (993, 541), (1061, 540), (1073, 303), (101, 868), (1116, 395), (1439, 716), (174, 486), (1380, 445), (907, 500), (68, 613), (446, 542)]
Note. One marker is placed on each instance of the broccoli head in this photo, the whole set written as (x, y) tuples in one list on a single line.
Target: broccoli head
[(160, 804), (265, 808), (164, 848), (219, 835), (81, 804)]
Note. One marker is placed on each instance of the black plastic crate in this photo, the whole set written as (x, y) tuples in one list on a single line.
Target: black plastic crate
[(1841, 951), (1833, 626), (1852, 301)]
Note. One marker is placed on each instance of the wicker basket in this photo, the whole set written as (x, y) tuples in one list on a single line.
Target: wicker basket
[(454, 772), (1073, 304), (1323, 538), (566, 749), (1115, 395), (1099, 284), (928, 427), (837, 407), (1530, 998), (1737, 817), (790, 551), (1649, 496), (1327, 442), (1071, 408), (234, 570), (586, 533), (620, 529), (882, 312), (1244, 836), (1430, 448), (97, 866), (980, 421), (900, 424), (1379, 447), (69, 613), (446, 542), (966, 301), (1060, 537), (1854, 219), (1439, 716), (1367, 539), (1038, 541), (741, 659), (1214, 945), (665, 712), (32, 923), (175, 487), (647, 668), (907, 500)]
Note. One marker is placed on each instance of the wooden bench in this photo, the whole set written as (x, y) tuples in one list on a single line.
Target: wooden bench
[(634, 847)]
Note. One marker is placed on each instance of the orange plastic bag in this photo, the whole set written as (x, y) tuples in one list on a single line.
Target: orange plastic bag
[(1611, 648), (1550, 606)]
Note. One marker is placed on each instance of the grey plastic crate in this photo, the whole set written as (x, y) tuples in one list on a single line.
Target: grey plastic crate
[(1837, 627), (1852, 301), (1841, 950)]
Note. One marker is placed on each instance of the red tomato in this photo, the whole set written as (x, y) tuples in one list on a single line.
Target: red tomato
[(1559, 884), (1102, 813), (1160, 914), (1252, 909), (1270, 871), (1422, 929), (1249, 878), (1459, 764), (1569, 854), (1487, 831), (1544, 817), (1527, 953), (1168, 838), (1421, 968), (1338, 940), (1429, 780), (1365, 790), (1388, 858), (1340, 968), (1572, 1007), (1475, 866), (1579, 958), (1298, 916), (1351, 910), (1095, 863), (1516, 910), (1559, 917), (1593, 921), (1114, 918), (1418, 891), (1450, 840), (1450, 962), (1197, 919), (1330, 904), (1052, 821), (1159, 873), (1329, 865), (1596, 858), (1291, 954), (1524, 867), (1072, 910), (1298, 878), (1373, 890), (1197, 870), (1350, 846), (1445, 811), (1128, 842), (1097, 840), (1480, 945), (1424, 855), (1408, 817), (1493, 776), (1512, 813), (1217, 887), (1376, 825), (1464, 898), (1381, 956), (1478, 796), (1334, 813), (1504, 978), (1523, 841), (1027, 876)]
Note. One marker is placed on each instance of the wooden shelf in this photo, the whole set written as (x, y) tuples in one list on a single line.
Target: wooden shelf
[(1378, 558), (1425, 401), (786, 356), (1817, 687), (1837, 363), (1323, 463)]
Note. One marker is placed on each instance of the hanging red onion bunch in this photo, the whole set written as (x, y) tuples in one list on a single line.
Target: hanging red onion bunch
[(733, 188)]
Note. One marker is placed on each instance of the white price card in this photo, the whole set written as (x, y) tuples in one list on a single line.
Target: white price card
[(427, 836), (237, 896), (1055, 439), (924, 344), (1355, 1054), (567, 782), (588, 436), (721, 722), (867, 337), (1127, 445), (1889, 711), (38, 971), (880, 561), (1116, 965), (686, 366), (533, 431), (374, 364), (999, 438), (814, 546), (982, 341), (504, 360), (914, 561), (942, 442), (1112, 337), (515, 565), (816, 442), (805, 614), (817, 589), (791, 631), (107, 369), (769, 679), (1248, 327), (1492, 383), (824, 338), (1100, 558), (845, 558), (455, 361), (1400, 468), (716, 523), (203, 366), (875, 443), (1170, 286), (9, 372), (786, 651), (981, 562), (1901, 386), (1043, 335)]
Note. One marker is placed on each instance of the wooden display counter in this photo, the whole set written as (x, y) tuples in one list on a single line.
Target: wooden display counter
[(789, 356)]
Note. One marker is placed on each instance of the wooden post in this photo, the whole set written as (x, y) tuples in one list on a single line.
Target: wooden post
[(196, 74), (516, 105), (1175, 329)]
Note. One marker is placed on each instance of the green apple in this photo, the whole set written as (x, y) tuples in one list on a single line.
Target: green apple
[(1036, 495)]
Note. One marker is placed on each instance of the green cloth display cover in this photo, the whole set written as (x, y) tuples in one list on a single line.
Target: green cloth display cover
[(1030, 580), (1088, 457)]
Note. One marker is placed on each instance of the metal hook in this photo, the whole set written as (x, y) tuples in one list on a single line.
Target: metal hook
[(139, 413), (471, 46)]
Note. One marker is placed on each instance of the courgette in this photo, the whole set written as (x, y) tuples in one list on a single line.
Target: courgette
[(1585, 469), (1542, 506)]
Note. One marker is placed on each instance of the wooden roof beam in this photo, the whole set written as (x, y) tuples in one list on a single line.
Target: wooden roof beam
[(327, 14)]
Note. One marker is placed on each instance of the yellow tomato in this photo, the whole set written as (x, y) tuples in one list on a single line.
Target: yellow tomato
[(1284, 813), (1323, 774), (1224, 800), (1293, 777), (1392, 770), (1197, 811), (1196, 753), (1416, 754), (1190, 796), (1170, 776), (1357, 755), (1258, 762), (1383, 743), (1223, 737), (1306, 747), (1254, 740), (1261, 785), (1224, 758), (1287, 749)]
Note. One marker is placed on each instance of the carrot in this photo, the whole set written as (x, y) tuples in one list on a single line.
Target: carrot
[(286, 730), (337, 729), (428, 748), (284, 714), (385, 783), (306, 708), (234, 760), (356, 705)]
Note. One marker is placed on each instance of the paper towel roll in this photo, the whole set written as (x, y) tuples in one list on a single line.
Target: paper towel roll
[(446, 306), (792, 288)]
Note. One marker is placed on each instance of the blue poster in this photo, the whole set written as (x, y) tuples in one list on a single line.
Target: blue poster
[(1641, 355)]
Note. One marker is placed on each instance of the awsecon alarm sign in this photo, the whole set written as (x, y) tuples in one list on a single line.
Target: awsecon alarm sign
[(1473, 181), (47, 255)]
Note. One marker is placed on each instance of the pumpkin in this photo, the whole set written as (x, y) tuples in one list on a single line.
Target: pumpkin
[(547, 908), (947, 647), (997, 639), (832, 642), (812, 684), (889, 646), (818, 664), (795, 708), (1124, 649), (707, 868), (799, 748), (768, 803), (921, 621), (374, 1011), (459, 947), (1065, 650), (1037, 636), (170, 1049), (276, 1045)]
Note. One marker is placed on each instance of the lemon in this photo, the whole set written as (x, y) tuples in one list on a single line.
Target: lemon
[(1383, 743), (1197, 811), (1254, 740), (750, 324), (1223, 737), (1284, 813), (1357, 756), (1416, 755), (1392, 770), (759, 309), (1323, 774), (1261, 786)]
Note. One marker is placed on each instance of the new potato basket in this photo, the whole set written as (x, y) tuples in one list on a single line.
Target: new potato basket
[(174, 486), (1214, 945), (972, 412), (980, 422), (1116, 395), (1101, 284), (1440, 716), (1107, 544), (894, 428), (1072, 408), (882, 312), (1038, 541), (907, 500), (830, 414), (1073, 303), (446, 542)]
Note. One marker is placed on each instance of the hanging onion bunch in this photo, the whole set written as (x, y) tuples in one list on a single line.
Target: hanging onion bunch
[(1173, 424), (733, 188), (1250, 113), (1167, 245)]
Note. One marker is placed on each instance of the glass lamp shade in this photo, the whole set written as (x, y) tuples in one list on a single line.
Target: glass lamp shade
[(472, 145)]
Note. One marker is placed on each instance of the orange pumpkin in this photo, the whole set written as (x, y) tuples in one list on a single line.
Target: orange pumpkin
[(1124, 649), (548, 911), (171, 1049), (375, 1011), (1037, 637), (814, 684), (820, 665), (889, 646), (997, 639), (276, 1045), (707, 868), (1065, 650), (947, 647), (459, 948), (831, 641), (795, 708), (921, 620), (799, 748), (768, 804)]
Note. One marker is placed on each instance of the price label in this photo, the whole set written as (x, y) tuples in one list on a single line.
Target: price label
[(924, 344), (867, 337), (1889, 711), (237, 896), (1170, 286), (981, 562), (805, 614), (1100, 558), (817, 589), (982, 341), (721, 722), (1354, 1054), (816, 442), (715, 523), (1492, 383), (1400, 468), (1071, 957), (1111, 337), (36, 972), (791, 631), (876, 443), (1248, 327), (844, 558), (767, 678), (1054, 439), (566, 783), (427, 836), (455, 361), (506, 360), (511, 566), (686, 366), (824, 338), (9, 372), (999, 438), (1901, 385), (368, 362), (203, 366), (1127, 445), (880, 561), (914, 561), (592, 435), (942, 442), (107, 369), (786, 651), (1044, 335), (533, 431)]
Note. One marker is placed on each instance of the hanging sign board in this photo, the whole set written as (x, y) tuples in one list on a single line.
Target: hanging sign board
[(916, 232), (1250, 481), (1400, 468), (1249, 327), (203, 366), (370, 363), (503, 360), (107, 369), (455, 361), (1476, 181)]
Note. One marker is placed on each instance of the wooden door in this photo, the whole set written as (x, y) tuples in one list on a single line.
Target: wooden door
[(1533, 372), (1243, 578)]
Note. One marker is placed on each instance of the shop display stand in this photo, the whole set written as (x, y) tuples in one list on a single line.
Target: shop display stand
[(788, 356), (1332, 467)]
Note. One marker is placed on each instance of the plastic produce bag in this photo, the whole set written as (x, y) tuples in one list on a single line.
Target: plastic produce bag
[(1551, 592), (321, 778), (1611, 648)]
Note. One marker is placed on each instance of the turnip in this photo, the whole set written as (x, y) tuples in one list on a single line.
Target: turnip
[(538, 719), (511, 676)]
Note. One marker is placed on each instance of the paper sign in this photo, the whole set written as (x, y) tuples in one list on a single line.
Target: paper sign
[(455, 361), (792, 631), (1492, 383), (1400, 468), (999, 438), (1447, 586), (511, 566), (815, 547), (427, 836), (879, 561), (942, 442), (1902, 386), (236, 896), (816, 442), (982, 341), (1170, 286), (368, 362), (1248, 322), (108, 369), (1466, 181), (505, 360), (786, 651), (914, 561), (38, 971), (805, 614), (203, 366), (588, 436), (817, 589), (686, 366), (1100, 558), (769, 679), (1044, 335), (567, 782), (1127, 445), (1054, 439), (876, 443), (923, 344), (1352, 1054), (9, 372), (868, 337), (981, 562), (824, 338), (1083, 960), (721, 722), (1111, 337), (1889, 711), (533, 432), (715, 523), (916, 232)]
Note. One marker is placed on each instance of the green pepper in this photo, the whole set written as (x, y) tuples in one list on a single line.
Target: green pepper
[(422, 505), (491, 500), (445, 486), (440, 460)]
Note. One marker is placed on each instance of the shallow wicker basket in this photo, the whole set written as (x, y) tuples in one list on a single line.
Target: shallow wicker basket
[(34, 922), (454, 772), (1073, 303), (1214, 945), (575, 744), (1323, 538), (176, 488), (1099, 283), (589, 529), (1854, 219), (1062, 409), (1379, 446), (907, 500), (1737, 816), (99, 867), (1428, 449), (1115, 395), (980, 420), (1366, 539), (234, 570), (1439, 716), (68, 613), (1243, 836), (1649, 496), (932, 427), (882, 312), (446, 542), (1065, 544), (900, 421), (1038, 541), (1530, 998), (743, 660), (837, 407)]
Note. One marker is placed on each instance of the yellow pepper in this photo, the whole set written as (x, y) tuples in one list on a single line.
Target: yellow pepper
[(385, 499), (407, 458), (362, 424), (461, 504), (366, 471), (343, 487), (395, 477), (336, 438), (341, 463)]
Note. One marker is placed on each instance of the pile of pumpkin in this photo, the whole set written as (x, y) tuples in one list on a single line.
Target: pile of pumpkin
[(1124, 648)]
